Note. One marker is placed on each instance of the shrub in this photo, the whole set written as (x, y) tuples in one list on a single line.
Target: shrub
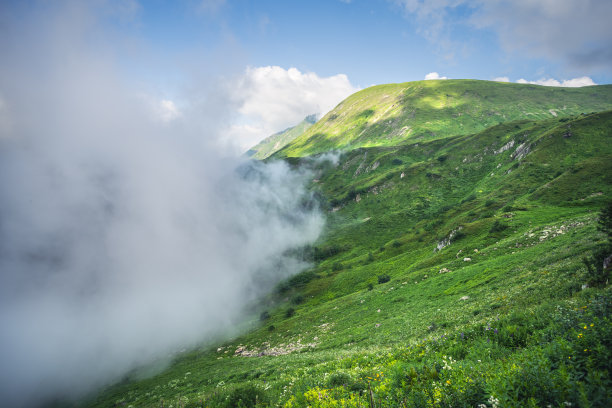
[(339, 379), (498, 226), (396, 244), (370, 286), (296, 281), (383, 278), (605, 220), (265, 315), (297, 299), (597, 275), (337, 266), (459, 235), (246, 396), (290, 312)]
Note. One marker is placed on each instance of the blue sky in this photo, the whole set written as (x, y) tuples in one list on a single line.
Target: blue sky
[(331, 47), (380, 41)]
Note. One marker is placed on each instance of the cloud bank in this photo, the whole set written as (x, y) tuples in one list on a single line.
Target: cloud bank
[(575, 32), (126, 233), (273, 98), (569, 83)]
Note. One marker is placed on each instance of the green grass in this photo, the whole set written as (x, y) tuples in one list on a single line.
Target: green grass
[(510, 327), (414, 112)]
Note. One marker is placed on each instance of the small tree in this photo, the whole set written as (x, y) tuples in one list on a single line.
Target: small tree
[(599, 264)]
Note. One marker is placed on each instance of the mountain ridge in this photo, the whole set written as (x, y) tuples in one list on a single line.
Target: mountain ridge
[(413, 112), (278, 140)]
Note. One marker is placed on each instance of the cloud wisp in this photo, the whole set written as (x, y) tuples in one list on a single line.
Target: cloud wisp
[(568, 83), (574, 32), (434, 75), (126, 234)]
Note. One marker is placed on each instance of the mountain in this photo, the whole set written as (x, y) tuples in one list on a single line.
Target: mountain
[(461, 268), (414, 112), (277, 141)]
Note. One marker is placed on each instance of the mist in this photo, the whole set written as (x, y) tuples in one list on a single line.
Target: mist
[(126, 234)]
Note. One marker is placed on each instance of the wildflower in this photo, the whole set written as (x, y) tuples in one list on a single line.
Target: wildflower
[(448, 382), (592, 324), (494, 402), (585, 327)]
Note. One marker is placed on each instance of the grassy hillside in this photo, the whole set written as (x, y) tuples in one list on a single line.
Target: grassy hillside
[(277, 141), (451, 274), (456, 271), (414, 112)]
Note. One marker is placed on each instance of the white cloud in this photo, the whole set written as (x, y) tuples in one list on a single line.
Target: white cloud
[(501, 79), (568, 83), (434, 75), (578, 82), (168, 110), (576, 32), (272, 98), (211, 6)]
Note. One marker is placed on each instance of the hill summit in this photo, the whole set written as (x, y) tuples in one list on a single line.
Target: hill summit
[(415, 112)]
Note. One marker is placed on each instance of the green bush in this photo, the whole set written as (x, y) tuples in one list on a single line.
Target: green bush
[(339, 379), (497, 226), (290, 312), (297, 299), (246, 396), (383, 278)]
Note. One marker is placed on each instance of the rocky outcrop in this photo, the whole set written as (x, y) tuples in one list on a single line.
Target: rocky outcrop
[(505, 147), (448, 240), (521, 151)]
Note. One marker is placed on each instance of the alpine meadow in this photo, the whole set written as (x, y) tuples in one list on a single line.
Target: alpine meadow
[(464, 261), (306, 204)]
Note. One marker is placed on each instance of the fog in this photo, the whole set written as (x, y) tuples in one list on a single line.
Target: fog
[(126, 234)]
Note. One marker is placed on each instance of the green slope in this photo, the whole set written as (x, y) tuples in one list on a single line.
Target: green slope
[(388, 115), (393, 313), (277, 141)]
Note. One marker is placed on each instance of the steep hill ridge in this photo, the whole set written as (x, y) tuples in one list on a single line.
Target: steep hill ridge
[(414, 112), (277, 141)]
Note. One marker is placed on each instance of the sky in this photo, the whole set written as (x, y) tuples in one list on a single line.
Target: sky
[(131, 225), (284, 60)]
